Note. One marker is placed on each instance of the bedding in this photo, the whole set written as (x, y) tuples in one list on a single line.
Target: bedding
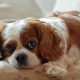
[(7, 72)]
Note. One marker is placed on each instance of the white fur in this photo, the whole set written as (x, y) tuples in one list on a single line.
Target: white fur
[(60, 27), (13, 29)]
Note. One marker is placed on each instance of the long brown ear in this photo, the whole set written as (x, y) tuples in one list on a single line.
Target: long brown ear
[(49, 41), (1, 29), (2, 26)]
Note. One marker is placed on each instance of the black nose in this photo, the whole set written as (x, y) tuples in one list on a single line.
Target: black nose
[(21, 58)]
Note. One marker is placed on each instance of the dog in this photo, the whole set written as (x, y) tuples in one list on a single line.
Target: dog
[(30, 42)]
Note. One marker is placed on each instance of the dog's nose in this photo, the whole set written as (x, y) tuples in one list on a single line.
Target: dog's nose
[(21, 58)]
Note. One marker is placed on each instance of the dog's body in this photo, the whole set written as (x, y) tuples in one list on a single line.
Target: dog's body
[(27, 43)]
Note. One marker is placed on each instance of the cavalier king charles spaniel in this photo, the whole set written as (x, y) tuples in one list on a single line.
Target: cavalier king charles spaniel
[(30, 42)]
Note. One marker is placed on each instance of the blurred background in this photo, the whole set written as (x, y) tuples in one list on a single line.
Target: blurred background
[(20, 9)]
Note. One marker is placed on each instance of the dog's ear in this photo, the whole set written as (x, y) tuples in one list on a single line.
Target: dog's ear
[(1, 29), (49, 41), (2, 26)]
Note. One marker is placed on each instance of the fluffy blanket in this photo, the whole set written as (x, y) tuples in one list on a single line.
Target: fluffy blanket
[(43, 72)]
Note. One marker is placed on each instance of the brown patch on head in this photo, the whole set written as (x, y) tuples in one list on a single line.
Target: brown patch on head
[(28, 35), (47, 40)]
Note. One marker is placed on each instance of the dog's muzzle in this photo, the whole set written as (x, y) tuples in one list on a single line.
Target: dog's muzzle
[(23, 58)]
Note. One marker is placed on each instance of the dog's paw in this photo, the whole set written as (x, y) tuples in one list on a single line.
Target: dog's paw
[(55, 71), (7, 72)]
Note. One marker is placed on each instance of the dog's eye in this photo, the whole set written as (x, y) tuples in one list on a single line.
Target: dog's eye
[(10, 48), (30, 45)]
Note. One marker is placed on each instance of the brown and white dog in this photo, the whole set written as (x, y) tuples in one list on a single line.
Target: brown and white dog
[(30, 42)]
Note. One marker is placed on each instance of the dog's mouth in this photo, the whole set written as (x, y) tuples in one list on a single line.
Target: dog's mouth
[(18, 66), (22, 66)]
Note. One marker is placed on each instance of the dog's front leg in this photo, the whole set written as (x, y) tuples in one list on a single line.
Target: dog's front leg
[(60, 68)]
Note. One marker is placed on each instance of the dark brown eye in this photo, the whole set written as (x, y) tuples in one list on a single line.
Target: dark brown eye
[(10, 48), (30, 45)]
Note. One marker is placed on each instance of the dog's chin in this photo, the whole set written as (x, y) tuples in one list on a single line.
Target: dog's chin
[(19, 66), (23, 66)]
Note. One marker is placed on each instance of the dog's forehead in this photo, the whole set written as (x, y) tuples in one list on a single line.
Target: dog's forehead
[(13, 29)]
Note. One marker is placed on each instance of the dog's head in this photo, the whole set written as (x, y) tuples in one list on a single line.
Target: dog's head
[(29, 42)]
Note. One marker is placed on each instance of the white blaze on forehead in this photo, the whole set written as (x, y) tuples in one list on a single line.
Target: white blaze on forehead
[(60, 28), (13, 30)]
